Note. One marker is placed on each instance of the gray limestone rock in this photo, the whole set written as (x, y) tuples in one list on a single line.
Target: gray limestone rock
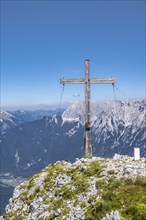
[(61, 179), (114, 215), (42, 203)]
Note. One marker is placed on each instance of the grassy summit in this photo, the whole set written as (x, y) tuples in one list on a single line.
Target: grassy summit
[(88, 189)]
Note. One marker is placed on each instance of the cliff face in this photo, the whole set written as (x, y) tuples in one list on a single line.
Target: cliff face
[(97, 188)]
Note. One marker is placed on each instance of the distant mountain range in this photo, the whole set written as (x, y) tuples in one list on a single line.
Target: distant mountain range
[(35, 115), (10, 119), (30, 141)]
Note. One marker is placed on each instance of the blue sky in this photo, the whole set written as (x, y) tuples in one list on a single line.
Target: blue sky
[(43, 41)]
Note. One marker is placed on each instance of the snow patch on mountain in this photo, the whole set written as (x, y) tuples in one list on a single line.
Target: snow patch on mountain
[(71, 131), (17, 158), (6, 116), (7, 120)]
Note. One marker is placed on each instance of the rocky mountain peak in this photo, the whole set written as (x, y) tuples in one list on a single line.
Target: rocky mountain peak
[(7, 120), (97, 188), (129, 112), (5, 115), (76, 112)]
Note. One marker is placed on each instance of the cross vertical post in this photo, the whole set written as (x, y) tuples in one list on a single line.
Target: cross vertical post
[(88, 81), (87, 141)]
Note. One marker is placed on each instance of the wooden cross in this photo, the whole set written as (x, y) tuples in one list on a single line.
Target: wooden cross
[(87, 81)]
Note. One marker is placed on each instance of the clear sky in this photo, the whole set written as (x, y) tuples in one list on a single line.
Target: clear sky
[(43, 41)]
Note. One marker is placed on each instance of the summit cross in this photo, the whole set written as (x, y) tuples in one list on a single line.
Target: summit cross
[(87, 81)]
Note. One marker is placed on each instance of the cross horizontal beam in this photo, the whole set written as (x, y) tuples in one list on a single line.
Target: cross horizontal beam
[(92, 81), (87, 81)]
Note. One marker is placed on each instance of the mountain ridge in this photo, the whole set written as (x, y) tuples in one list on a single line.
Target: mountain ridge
[(43, 141)]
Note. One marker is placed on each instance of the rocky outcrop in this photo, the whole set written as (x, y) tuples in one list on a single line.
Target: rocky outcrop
[(94, 188), (113, 215)]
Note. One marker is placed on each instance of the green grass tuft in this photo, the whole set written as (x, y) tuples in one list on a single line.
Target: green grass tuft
[(126, 196)]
